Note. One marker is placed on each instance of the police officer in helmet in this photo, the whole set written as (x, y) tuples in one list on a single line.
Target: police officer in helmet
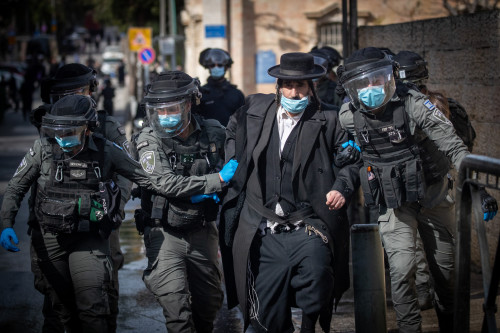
[(220, 98), (407, 145), (186, 283), (77, 206), (78, 79), (327, 84)]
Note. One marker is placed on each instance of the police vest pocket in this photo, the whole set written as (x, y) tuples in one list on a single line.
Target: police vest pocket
[(58, 215), (393, 186), (370, 186)]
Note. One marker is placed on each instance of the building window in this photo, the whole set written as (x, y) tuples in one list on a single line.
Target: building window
[(330, 34)]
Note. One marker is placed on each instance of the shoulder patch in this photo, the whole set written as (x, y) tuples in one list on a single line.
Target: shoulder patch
[(142, 144), (437, 114), (117, 146), (147, 161), (21, 166), (428, 104), (121, 130)]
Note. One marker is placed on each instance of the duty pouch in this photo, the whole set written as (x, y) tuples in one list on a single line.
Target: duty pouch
[(370, 187), (141, 220), (58, 215), (184, 216), (393, 186), (110, 196), (414, 180)]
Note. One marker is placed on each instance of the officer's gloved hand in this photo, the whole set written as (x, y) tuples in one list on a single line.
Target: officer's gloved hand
[(201, 197), (6, 237), (488, 204), (350, 154), (228, 170)]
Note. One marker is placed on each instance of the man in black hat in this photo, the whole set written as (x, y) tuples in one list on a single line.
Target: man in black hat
[(283, 218)]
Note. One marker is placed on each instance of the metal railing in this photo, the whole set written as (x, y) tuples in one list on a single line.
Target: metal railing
[(475, 171)]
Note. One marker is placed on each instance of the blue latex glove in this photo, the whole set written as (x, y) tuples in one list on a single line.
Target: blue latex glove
[(352, 144), (488, 205), (6, 237), (349, 155), (201, 197), (228, 170)]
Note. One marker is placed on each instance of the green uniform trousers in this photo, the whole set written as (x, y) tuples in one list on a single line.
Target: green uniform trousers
[(79, 279), (184, 275), (398, 230)]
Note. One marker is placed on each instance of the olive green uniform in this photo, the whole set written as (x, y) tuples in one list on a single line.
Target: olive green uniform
[(433, 216), (183, 271), (113, 131), (78, 265)]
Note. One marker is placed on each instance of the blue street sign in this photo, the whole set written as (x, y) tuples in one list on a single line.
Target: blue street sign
[(264, 60), (147, 55), (214, 31)]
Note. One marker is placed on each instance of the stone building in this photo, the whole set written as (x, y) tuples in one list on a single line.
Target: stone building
[(257, 32)]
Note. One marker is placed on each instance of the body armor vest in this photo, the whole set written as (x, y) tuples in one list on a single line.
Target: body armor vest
[(397, 168), (63, 205), (195, 160)]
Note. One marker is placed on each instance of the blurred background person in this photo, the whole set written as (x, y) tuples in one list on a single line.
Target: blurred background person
[(219, 98)]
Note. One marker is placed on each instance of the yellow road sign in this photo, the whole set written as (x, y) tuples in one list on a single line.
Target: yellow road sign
[(139, 38)]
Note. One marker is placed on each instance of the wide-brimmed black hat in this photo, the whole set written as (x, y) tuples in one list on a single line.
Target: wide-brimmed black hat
[(297, 66)]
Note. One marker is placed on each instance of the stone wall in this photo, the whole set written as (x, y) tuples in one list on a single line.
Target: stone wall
[(463, 55)]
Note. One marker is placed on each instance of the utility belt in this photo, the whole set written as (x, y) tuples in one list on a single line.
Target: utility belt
[(289, 218), (179, 224), (393, 185)]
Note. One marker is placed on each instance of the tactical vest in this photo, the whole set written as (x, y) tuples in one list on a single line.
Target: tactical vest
[(196, 160), (400, 167), (63, 205)]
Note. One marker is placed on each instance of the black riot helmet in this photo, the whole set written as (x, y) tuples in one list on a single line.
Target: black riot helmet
[(68, 121), (368, 78), (412, 67), (168, 102), (333, 55), (70, 79), (212, 57)]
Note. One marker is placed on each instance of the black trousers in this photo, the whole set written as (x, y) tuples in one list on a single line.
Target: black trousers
[(289, 269)]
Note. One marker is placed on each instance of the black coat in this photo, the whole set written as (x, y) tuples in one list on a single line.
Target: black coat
[(319, 136)]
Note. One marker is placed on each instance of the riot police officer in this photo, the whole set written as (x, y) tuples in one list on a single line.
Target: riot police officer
[(180, 233), (326, 85), (77, 206), (78, 79), (407, 145), (413, 71), (220, 98)]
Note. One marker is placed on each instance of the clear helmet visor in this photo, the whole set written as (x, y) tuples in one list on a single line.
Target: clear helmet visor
[(373, 88), (57, 95), (70, 139), (169, 119)]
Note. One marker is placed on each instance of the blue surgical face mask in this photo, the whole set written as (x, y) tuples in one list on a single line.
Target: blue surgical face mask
[(217, 72), (372, 96), (172, 122), (294, 105), (68, 142)]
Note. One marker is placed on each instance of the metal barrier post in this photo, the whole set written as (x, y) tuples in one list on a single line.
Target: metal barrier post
[(468, 181), (368, 279)]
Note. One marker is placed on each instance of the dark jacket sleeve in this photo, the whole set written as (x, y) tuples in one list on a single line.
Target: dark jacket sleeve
[(347, 177)]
